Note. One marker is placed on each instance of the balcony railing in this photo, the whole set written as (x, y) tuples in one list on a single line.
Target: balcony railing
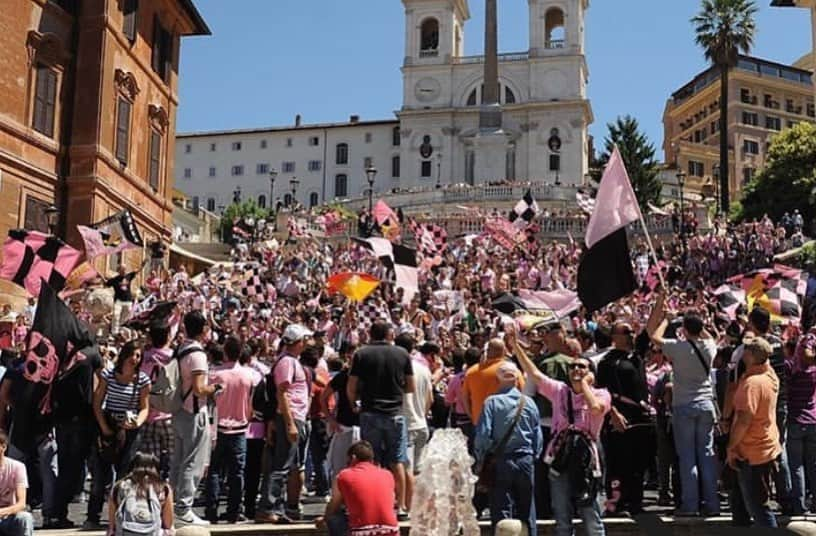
[(429, 53), (555, 43), (510, 56)]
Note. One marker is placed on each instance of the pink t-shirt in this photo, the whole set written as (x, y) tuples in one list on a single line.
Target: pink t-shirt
[(290, 376), (234, 402), (557, 391), (12, 474), (153, 357), (189, 364), (453, 394)]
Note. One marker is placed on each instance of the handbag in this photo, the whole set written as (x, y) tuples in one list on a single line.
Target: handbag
[(487, 471)]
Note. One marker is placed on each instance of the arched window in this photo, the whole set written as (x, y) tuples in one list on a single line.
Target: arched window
[(509, 96), (506, 95), (314, 199), (211, 204), (395, 137), (472, 98), (429, 40), (554, 28), (342, 156), (287, 200), (262, 201), (340, 186)]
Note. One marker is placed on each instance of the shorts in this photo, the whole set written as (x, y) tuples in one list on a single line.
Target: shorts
[(417, 441), (388, 436), (288, 457)]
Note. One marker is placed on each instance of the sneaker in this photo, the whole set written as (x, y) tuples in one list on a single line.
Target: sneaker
[(240, 518), (91, 524), (58, 524), (402, 515), (191, 519)]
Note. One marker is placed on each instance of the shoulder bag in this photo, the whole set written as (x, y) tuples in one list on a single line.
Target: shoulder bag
[(487, 471)]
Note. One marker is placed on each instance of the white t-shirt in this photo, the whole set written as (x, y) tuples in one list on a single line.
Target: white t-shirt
[(414, 404), (189, 364)]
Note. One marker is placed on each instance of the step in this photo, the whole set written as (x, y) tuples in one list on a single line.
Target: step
[(647, 524)]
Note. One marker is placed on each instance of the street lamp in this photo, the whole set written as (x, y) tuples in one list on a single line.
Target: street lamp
[(681, 182), (273, 174), (236, 195), (438, 170), (371, 175), (716, 173), (51, 216), (294, 182)]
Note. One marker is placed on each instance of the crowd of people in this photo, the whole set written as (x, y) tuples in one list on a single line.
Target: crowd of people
[(288, 390)]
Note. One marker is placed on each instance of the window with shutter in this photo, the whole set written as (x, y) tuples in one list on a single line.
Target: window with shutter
[(35, 219), (155, 159), (45, 98), (341, 186), (129, 10), (162, 58), (342, 154), (395, 166), (123, 130)]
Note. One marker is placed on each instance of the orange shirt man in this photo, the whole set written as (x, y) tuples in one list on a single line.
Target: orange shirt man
[(481, 380)]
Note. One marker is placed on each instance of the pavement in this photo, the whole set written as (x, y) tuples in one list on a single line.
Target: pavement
[(655, 520)]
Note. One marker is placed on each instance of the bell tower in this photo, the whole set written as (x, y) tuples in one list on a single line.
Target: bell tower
[(557, 27), (434, 30)]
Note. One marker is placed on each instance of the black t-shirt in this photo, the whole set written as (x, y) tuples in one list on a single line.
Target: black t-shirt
[(121, 287), (381, 369), (73, 395), (622, 374), (345, 415)]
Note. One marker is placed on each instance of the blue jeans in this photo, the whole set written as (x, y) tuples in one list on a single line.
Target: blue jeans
[(512, 495), (782, 479), (755, 485), (20, 524), (693, 426), (281, 459), (229, 455), (563, 509), (388, 436), (801, 449)]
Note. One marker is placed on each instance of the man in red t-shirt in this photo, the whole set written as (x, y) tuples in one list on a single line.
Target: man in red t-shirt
[(367, 491)]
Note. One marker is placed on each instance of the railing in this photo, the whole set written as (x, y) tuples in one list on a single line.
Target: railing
[(509, 56), (558, 227), (466, 194), (430, 53), (555, 43)]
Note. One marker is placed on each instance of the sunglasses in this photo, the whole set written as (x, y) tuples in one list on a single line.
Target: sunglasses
[(578, 366)]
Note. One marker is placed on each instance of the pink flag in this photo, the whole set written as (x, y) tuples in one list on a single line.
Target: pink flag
[(561, 302), (384, 215), (615, 205), (31, 257)]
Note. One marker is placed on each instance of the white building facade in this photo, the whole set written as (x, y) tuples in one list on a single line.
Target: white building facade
[(431, 143)]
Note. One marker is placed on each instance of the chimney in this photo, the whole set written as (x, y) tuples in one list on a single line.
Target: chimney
[(297, 120), (354, 119)]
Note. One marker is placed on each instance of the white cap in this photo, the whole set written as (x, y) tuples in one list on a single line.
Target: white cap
[(295, 333), (508, 372)]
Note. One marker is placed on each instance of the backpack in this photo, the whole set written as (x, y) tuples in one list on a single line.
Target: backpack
[(137, 516), (574, 456), (165, 382), (265, 397)]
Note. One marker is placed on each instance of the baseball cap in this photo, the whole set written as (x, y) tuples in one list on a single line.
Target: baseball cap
[(295, 333)]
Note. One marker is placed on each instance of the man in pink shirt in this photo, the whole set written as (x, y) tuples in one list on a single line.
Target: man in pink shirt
[(286, 432), (234, 405), (577, 407)]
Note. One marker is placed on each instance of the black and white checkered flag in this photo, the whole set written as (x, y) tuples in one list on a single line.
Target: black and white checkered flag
[(585, 201), (525, 211)]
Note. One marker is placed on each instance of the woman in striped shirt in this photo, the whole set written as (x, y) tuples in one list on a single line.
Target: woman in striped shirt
[(121, 407)]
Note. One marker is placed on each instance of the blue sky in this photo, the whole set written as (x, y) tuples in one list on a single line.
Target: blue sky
[(268, 60)]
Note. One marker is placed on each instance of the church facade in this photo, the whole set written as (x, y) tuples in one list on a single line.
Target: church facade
[(434, 141)]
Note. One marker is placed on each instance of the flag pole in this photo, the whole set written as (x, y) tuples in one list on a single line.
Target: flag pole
[(652, 250)]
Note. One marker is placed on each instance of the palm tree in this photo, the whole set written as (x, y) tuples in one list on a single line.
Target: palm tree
[(724, 29)]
